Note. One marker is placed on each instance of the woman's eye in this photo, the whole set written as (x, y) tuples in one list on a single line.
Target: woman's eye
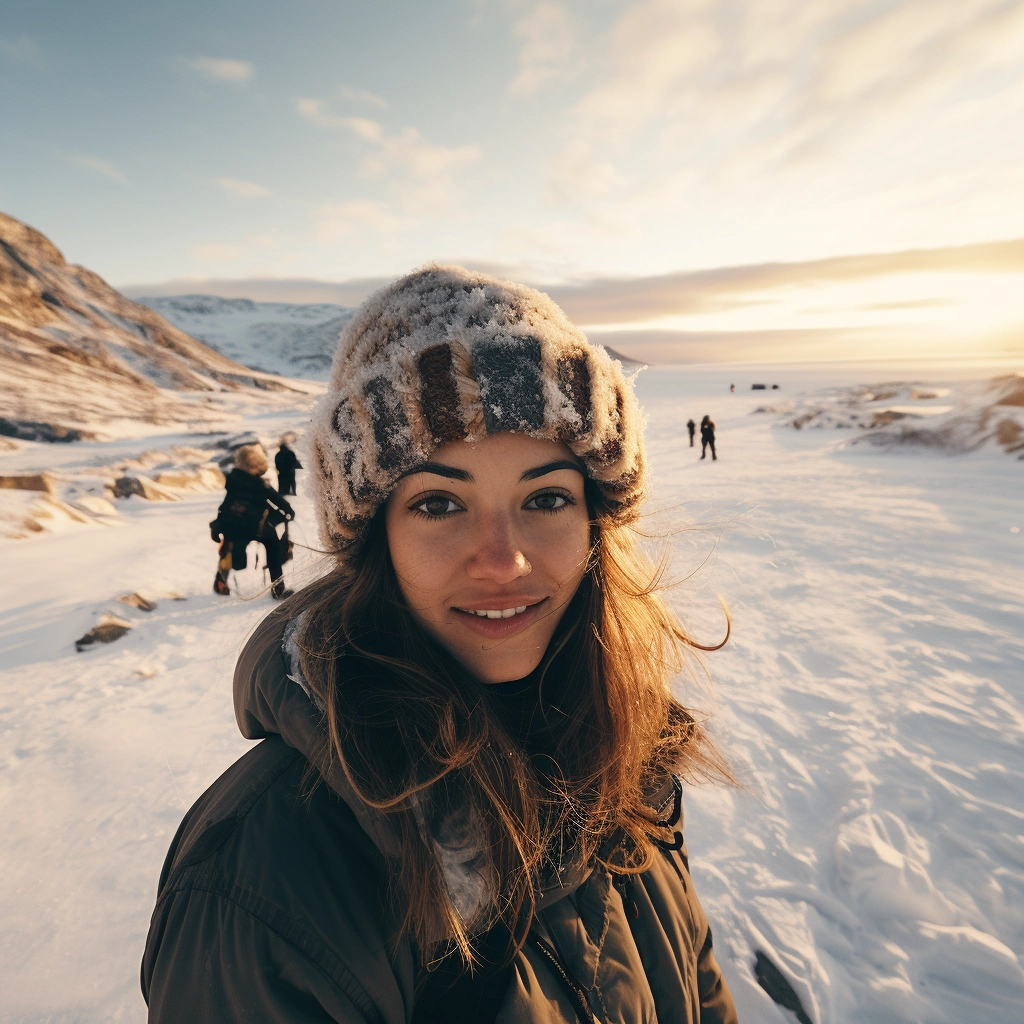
[(547, 502), (436, 505)]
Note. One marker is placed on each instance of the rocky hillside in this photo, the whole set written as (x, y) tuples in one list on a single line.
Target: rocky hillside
[(75, 354)]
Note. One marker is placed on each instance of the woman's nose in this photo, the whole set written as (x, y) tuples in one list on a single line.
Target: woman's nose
[(497, 554)]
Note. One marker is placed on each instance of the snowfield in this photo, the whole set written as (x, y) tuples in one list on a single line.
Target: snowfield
[(871, 700)]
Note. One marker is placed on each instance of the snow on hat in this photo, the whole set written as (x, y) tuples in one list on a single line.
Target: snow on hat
[(445, 354)]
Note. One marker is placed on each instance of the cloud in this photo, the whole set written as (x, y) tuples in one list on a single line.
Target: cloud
[(337, 221), (549, 42), (424, 170), (408, 152), (637, 300), (98, 165), (215, 252), (221, 69), (346, 92), (807, 345), (22, 49), (242, 189), (688, 101), (316, 112)]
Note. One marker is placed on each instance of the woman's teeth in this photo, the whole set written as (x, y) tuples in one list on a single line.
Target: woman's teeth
[(497, 613)]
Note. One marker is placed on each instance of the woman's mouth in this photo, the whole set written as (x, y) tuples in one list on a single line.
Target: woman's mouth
[(499, 622), (495, 613)]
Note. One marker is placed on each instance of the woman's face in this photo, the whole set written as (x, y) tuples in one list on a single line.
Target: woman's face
[(489, 541)]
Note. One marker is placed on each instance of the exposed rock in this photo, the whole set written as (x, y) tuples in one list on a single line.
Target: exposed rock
[(126, 486), (28, 482), (51, 433), (106, 631), (136, 600)]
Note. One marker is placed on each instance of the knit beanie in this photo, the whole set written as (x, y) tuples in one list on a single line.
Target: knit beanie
[(445, 354)]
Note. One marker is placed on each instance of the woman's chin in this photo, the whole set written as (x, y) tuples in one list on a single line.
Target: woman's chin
[(499, 670)]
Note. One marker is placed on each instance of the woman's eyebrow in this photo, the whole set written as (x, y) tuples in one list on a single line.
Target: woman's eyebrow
[(439, 469), (550, 467)]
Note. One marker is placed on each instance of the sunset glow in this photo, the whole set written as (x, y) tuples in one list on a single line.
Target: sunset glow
[(561, 143)]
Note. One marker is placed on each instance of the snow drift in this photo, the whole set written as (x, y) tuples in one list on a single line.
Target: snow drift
[(962, 417)]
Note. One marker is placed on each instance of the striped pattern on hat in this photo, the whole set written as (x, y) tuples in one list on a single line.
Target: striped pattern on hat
[(445, 355)]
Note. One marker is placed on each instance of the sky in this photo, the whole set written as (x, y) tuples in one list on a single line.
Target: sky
[(736, 176)]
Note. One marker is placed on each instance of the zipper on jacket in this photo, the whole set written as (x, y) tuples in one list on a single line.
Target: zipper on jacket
[(577, 994), (625, 883)]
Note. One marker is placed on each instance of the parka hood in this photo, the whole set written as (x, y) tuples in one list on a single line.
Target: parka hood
[(272, 698)]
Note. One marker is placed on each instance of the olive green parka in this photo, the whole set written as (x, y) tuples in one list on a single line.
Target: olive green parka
[(273, 903)]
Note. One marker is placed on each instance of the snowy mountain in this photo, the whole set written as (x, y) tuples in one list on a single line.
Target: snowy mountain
[(293, 339), (76, 354), (290, 338)]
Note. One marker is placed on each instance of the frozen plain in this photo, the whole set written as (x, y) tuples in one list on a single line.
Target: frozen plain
[(871, 700)]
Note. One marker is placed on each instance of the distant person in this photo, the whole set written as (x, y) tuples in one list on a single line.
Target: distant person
[(707, 437), (286, 462), (732, 387), (692, 428), (251, 510)]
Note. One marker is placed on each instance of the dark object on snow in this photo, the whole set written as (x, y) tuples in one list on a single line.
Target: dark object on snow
[(251, 510), (691, 427), (51, 433), (106, 632), (707, 437), (732, 387), (249, 505), (126, 486), (775, 387), (286, 462), (773, 981), (757, 387)]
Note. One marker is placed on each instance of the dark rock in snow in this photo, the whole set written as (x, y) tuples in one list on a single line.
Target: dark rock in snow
[(51, 433), (126, 486), (106, 631)]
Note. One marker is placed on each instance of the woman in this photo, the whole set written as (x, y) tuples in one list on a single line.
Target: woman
[(466, 806)]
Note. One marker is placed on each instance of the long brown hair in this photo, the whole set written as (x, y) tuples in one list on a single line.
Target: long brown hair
[(419, 738)]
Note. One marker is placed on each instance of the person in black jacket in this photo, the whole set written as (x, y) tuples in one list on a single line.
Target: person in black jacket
[(251, 510), (286, 462), (707, 437), (691, 427)]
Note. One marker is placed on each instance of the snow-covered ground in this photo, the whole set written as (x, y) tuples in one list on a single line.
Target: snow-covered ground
[(871, 699)]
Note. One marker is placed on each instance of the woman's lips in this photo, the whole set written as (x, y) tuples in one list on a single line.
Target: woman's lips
[(498, 629)]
